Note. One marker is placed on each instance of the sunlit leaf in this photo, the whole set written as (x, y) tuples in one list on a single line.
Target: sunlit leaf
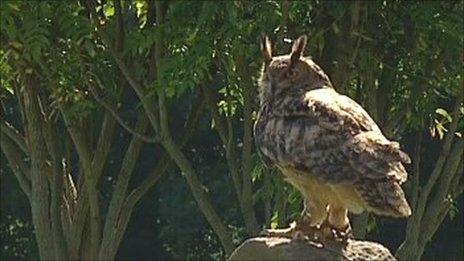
[(444, 113)]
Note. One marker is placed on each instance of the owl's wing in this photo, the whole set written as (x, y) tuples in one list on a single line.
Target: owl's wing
[(337, 112), (342, 143)]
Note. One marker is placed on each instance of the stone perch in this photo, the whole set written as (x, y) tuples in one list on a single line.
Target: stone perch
[(278, 248)]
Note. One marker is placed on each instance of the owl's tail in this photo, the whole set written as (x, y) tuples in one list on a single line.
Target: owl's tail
[(383, 197)]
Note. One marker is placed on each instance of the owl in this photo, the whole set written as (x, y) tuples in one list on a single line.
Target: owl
[(326, 145)]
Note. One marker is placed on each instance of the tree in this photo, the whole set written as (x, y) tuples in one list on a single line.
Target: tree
[(52, 81)]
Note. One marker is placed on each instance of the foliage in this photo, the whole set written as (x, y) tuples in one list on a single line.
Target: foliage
[(16, 235)]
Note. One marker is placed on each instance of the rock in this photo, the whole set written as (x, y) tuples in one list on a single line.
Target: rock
[(277, 248)]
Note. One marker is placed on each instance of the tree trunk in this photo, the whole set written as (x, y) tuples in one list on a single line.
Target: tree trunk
[(247, 164), (40, 192)]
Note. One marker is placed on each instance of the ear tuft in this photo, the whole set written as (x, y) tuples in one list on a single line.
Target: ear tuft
[(298, 48), (266, 49)]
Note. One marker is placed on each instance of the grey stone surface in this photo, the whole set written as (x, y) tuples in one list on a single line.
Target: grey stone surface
[(275, 248)]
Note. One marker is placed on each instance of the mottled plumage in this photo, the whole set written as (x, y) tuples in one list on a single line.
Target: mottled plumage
[(325, 143)]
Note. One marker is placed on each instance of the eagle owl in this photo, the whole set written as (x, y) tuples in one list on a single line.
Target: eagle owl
[(325, 144)]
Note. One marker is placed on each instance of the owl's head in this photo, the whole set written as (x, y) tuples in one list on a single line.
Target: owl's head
[(289, 73)]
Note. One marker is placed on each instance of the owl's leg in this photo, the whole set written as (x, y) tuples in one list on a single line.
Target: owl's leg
[(338, 223), (316, 214), (316, 211), (307, 226)]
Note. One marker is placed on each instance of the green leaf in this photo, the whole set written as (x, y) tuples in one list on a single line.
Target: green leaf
[(275, 220), (108, 10), (453, 211), (444, 113), (371, 224)]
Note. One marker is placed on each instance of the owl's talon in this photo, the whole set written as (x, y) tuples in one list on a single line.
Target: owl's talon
[(299, 235), (343, 235), (332, 233), (286, 232), (323, 233), (348, 233), (282, 232), (300, 230), (264, 233)]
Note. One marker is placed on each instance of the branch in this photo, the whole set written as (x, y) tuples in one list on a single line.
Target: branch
[(78, 224), (283, 22), (104, 144), (211, 102), (17, 90), (55, 151), (159, 53), (199, 194), (431, 216), (75, 208), (10, 131), (134, 197), (247, 140), (451, 170), (439, 220), (413, 224), (457, 183), (119, 41), (109, 246), (179, 157), (115, 115), (417, 161), (40, 193), (440, 161), (90, 181), (106, 134), (226, 136), (268, 196), (165, 161), (17, 165), (68, 207), (355, 26), (81, 208), (421, 221), (139, 90), (151, 13), (430, 228), (231, 152)]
